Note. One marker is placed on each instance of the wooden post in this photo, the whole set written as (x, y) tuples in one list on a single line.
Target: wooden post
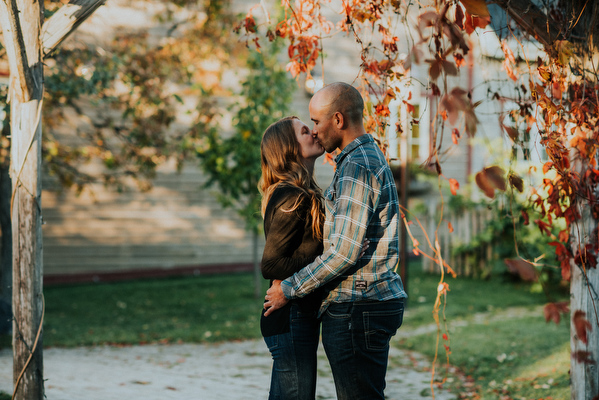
[(584, 296), (21, 22)]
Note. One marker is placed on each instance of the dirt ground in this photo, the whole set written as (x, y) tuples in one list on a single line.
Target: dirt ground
[(227, 371)]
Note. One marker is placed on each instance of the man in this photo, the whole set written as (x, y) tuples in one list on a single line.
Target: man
[(365, 302)]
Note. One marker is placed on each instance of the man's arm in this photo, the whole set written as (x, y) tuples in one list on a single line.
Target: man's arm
[(357, 196), (275, 298)]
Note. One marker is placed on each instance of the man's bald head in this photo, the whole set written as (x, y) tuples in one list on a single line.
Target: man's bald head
[(343, 98)]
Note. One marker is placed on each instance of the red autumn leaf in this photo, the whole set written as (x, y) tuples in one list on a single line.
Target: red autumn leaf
[(455, 135), (454, 185), (495, 174), (435, 69), (585, 357), (581, 325), (516, 182), (249, 24), (449, 68), (523, 268), (489, 179), (544, 227), (483, 184), (459, 16), (525, 216), (511, 132), (553, 311)]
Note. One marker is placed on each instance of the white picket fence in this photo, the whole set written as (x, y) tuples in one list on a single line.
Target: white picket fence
[(466, 225)]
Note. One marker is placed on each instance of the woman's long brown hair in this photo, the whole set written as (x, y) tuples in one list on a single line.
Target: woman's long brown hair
[(281, 164)]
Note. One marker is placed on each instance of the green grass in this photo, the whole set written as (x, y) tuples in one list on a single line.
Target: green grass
[(516, 357), (188, 309)]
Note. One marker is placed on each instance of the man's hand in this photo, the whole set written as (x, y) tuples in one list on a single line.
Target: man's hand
[(275, 298)]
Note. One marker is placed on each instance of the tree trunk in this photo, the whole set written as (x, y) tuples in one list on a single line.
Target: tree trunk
[(584, 289)]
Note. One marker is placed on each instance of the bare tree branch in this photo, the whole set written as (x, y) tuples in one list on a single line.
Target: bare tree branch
[(58, 27)]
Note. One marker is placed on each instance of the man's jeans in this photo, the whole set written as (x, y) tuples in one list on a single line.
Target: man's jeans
[(294, 355), (356, 340)]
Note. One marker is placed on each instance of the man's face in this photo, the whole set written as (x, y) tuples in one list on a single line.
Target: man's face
[(325, 129)]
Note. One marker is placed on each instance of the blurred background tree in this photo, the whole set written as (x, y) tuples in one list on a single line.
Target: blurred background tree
[(233, 163), (112, 104)]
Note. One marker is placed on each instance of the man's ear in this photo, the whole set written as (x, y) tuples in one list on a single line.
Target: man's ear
[(339, 120)]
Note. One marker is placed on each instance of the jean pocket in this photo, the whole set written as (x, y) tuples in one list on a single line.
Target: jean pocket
[(338, 315), (272, 342), (379, 326)]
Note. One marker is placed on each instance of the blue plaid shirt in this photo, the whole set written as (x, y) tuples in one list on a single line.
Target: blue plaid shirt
[(360, 203)]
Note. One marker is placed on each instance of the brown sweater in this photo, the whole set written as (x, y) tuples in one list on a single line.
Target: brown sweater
[(290, 246)]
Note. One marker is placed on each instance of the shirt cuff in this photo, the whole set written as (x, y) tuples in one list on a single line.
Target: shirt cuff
[(287, 288)]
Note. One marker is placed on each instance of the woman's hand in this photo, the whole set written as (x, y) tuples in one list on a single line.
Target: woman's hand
[(365, 245)]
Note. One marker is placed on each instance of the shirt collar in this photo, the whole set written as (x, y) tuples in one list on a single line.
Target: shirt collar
[(359, 141)]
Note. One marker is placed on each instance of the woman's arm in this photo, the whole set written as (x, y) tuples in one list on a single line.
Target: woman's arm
[(285, 234)]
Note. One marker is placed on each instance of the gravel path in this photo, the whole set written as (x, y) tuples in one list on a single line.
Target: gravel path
[(232, 370)]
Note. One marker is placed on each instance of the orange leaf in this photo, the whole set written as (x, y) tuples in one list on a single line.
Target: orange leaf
[(523, 268), (450, 226), (476, 7), (454, 185)]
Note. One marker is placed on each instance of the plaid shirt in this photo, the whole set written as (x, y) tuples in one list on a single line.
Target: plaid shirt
[(360, 203)]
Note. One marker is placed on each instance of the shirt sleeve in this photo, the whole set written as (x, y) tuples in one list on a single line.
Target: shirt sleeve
[(284, 235), (356, 198)]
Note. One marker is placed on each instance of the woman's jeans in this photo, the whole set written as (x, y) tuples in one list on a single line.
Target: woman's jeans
[(356, 339), (294, 355)]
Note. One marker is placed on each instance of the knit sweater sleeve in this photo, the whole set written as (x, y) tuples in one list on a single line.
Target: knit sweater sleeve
[(284, 230)]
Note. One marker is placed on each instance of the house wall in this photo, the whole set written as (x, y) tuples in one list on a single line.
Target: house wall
[(180, 224)]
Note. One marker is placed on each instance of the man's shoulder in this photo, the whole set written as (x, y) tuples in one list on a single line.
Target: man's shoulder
[(368, 156)]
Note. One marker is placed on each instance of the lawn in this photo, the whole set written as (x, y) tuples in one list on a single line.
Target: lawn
[(497, 337), (518, 356)]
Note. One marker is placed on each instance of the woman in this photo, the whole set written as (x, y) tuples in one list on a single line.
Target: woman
[(293, 219)]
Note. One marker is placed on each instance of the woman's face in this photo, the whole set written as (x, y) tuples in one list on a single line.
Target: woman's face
[(310, 147)]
